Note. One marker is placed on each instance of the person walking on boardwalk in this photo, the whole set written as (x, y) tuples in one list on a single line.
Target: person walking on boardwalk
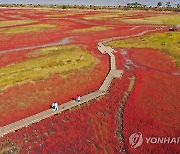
[(78, 98), (56, 106), (53, 106)]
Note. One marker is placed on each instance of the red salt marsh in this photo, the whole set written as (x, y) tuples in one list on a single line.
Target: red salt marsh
[(151, 108)]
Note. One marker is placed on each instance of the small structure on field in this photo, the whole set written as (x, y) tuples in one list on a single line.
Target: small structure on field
[(175, 28)]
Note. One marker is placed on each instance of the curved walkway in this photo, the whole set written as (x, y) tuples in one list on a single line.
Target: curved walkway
[(113, 73)]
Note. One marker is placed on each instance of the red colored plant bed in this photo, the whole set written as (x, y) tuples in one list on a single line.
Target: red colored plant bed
[(119, 60), (13, 57), (89, 129), (152, 109), (31, 98), (153, 59)]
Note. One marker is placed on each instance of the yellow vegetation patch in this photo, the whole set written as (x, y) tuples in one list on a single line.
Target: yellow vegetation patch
[(105, 16), (166, 42), (28, 28), (15, 22), (63, 14), (46, 62), (165, 19), (57, 15), (91, 29)]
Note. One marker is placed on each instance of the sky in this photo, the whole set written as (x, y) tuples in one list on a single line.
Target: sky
[(88, 2)]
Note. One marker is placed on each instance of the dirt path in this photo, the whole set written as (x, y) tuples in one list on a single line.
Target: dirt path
[(60, 42)]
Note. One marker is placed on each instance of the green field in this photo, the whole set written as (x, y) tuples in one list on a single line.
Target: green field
[(63, 14), (105, 16), (15, 22), (91, 29), (25, 29), (168, 43), (159, 20), (46, 62)]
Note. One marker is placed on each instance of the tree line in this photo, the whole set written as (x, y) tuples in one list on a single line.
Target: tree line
[(135, 5)]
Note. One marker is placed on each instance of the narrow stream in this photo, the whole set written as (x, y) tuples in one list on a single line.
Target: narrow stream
[(129, 63)]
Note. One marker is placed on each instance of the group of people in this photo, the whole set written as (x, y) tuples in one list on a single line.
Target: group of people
[(55, 107)]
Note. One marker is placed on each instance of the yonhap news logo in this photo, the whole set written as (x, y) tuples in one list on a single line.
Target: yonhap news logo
[(136, 140)]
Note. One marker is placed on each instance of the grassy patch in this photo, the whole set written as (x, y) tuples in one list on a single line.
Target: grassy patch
[(29, 28), (104, 16), (44, 10), (91, 29), (63, 14), (57, 15), (54, 50), (15, 22), (166, 42), (159, 20), (47, 61)]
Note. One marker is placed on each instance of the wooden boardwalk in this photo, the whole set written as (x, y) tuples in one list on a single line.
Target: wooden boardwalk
[(113, 73)]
